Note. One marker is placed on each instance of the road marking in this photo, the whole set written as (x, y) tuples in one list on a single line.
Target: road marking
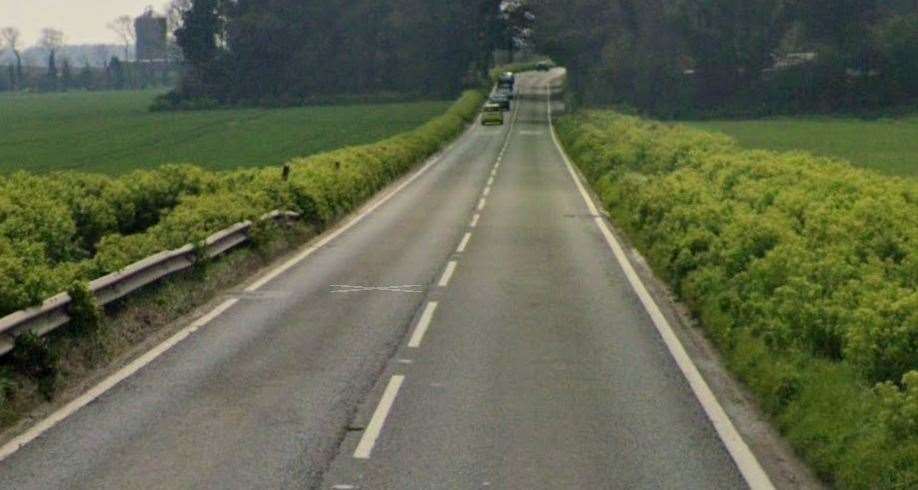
[(486, 192), (448, 273), (745, 460), (475, 219), (405, 361), (423, 325), (482, 203), (344, 487), (46, 424), (108, 383), (365, 447), (464, 243), (490, 181), (274, 273), (346, 288)]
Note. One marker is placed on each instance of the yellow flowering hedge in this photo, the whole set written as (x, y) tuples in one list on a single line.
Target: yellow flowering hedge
[(801, 260)]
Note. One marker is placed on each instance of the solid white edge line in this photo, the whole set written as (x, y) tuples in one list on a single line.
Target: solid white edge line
[(110, 382), (423, 325), (464, 243), (448, 273), (371, 434), (745, 460)]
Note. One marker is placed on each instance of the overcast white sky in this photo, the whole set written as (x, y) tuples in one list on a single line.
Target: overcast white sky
[(83, 21)]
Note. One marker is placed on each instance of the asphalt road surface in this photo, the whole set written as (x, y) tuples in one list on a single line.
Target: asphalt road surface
[(473, 331)]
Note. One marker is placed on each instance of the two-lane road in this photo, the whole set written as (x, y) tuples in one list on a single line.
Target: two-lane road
[(472, 331)]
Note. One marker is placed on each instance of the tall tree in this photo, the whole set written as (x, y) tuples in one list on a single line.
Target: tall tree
[(123, 27), (174, 11), (51, 41), (66, 75), (295, 49), (87, 80), (731, 42), (201, 37), (11, 35)]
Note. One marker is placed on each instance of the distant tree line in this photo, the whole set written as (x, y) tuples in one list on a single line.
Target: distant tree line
[(99, 68), (61, 75), (256, 50), (675, 57)]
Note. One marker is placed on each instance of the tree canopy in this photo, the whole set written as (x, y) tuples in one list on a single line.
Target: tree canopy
[(255, 49), (669, 56)]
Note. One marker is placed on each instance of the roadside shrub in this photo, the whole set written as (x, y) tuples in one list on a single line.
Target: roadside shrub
[(900, 407), (85, 314), (795, 264), (810, 253), (59, 228), (35, 357)]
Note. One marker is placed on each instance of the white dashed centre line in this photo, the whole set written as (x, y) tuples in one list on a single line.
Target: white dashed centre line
[(491, 181), (464, 243), (486, 192), (423, 325), (482, 203), (365, 447), (475, 219), (448, 273)]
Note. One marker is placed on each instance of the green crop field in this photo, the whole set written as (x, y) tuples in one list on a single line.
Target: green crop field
[(113, 132), (887, 145)]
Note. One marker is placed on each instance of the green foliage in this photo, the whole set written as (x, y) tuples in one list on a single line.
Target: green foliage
[(85, 314), (900, 407), (679, 58), (791, 262), (35, 357), (897, 40), (67, 227), (284, 50)]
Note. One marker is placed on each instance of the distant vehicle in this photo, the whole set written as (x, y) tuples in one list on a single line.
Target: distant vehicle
[(543, 66), (507, 79), (492, 114), (500, 100)]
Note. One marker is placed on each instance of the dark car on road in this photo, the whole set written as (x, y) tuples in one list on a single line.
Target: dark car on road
[(500, 100), (507, 80), (505, 92)]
